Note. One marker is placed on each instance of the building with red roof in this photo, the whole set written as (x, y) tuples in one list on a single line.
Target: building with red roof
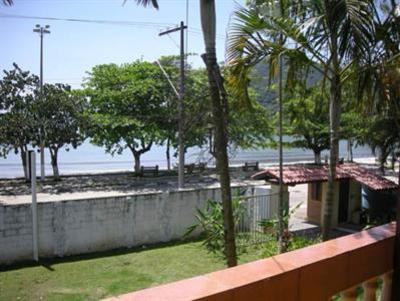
[(350, 180)]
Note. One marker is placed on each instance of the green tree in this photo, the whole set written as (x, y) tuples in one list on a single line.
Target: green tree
[(379, 135), (127, 107), (354, 119), (248, 127), (219, 104), (17, 121), (196, 106), (307, 120), (60, 113), (328, 35), (380, 80)]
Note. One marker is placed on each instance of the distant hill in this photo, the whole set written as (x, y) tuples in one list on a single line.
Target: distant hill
[(268, 97)]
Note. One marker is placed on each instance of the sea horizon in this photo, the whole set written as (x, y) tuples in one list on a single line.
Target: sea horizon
[(89, 158)]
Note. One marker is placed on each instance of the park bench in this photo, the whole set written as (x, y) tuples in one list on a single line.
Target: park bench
[(189, 168), (201, 166), (250, 166), (149, 170)]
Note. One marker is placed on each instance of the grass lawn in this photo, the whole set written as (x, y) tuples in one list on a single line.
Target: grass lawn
[(96, 276)]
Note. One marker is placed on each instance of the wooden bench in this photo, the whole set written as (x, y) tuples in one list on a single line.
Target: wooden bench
[(189, 168), (149, 170), (201, 166), (250, 166)]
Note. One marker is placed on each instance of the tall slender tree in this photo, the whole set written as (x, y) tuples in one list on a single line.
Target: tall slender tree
[(220, 111), (327, 35)]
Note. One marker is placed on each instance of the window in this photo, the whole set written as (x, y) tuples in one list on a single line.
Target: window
[(316, 191)]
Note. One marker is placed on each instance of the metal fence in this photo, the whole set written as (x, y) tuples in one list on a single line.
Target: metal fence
[(253, 210)]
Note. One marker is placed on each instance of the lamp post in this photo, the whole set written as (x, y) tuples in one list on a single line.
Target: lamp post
[(41, 31)]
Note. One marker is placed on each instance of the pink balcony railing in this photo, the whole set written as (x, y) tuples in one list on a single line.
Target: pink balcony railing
[(319, 272)]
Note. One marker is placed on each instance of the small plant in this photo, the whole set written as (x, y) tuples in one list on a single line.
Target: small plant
[(297, 242), (211, 222), (270, 226)]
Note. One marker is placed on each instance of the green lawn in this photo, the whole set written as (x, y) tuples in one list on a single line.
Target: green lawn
[(95, 276), (92, 277)]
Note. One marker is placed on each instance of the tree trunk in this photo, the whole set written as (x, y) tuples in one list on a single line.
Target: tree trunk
[(349, 150), (317, 156), (393, 160), (24, 163), (168, 155), (283, 238), (54, 162), (137, 153), (382, 161), (219, 109), (136, 156), (334, 114)]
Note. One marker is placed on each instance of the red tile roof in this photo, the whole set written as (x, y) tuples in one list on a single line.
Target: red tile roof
[(298, 174)]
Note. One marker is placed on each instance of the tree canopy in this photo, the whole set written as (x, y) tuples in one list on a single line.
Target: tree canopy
[(128, 104), (59, 111), (18, 124), (307, 119)]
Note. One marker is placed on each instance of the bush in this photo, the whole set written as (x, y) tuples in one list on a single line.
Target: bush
[(297, 242), (211, 221)]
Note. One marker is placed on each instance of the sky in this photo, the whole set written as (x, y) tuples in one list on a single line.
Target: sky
[(73, 48)]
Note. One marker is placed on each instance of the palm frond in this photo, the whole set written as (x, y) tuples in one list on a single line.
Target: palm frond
[(145, 3), (254, 38), (355, 27)]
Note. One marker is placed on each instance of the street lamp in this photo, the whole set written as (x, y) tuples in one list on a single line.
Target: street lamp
[(41, 31)]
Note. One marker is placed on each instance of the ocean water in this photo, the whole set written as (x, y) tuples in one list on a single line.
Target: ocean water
[(89, 158)]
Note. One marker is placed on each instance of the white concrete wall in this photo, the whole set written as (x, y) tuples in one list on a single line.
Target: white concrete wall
[(89, 225)]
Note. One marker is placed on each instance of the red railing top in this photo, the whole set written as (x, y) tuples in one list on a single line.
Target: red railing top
[(313, 273)]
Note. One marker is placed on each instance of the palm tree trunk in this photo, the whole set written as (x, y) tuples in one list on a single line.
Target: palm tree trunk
[(282, 206), (219, 109), (334, 114)]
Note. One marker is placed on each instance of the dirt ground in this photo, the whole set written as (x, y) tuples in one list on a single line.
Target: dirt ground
[(17, 191)]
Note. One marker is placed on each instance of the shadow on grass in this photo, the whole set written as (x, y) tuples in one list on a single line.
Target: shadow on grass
[(48, 263)]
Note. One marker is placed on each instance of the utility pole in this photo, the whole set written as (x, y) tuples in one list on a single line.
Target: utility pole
[(42, 31), (181, 148)]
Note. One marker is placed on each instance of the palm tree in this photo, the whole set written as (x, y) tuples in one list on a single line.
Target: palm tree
[(327, 35), (220, 111), (280, 9), (381, 81)]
